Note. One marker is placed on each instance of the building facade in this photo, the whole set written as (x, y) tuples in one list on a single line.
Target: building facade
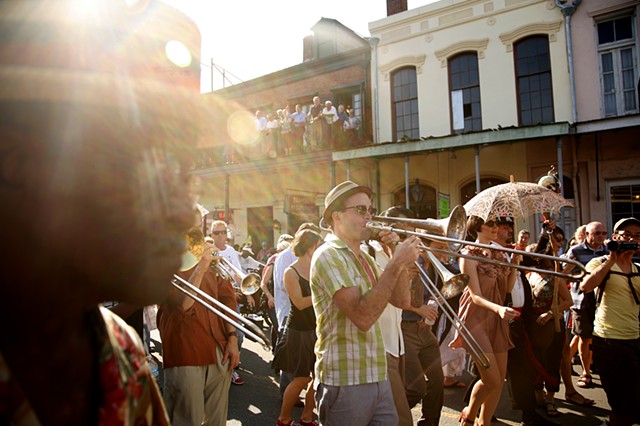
[(461, 96), (471, 93), (261, 192)]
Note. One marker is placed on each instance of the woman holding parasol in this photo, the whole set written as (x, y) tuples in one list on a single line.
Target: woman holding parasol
[(482, 311)]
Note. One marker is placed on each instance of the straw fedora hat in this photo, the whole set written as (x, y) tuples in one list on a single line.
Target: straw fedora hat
[(338, 194)]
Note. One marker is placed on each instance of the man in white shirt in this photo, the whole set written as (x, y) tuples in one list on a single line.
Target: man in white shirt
[(247, 262), (219, 233), (330, 116)]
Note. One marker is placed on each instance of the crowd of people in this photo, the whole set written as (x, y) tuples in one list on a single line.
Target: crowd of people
[(353, 324), (322, 127)]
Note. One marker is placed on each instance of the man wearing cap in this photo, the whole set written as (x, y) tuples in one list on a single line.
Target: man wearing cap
[(95, 203), (349, 294), (616, 333), (247, 262)]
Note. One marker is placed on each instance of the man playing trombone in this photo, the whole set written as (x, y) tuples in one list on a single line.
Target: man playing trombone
[(200, 349), (219, 233), (349, 294)]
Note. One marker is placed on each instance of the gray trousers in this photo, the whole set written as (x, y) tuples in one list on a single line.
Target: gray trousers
[(357, 405)]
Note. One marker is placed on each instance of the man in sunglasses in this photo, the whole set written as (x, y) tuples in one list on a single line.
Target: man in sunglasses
[(615, 278), (349, 294), (584, 304), (219, 233)]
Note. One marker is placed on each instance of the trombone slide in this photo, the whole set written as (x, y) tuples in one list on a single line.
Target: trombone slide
[(205, 300)]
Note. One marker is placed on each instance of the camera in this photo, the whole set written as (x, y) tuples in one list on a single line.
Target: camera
[(622, 245)]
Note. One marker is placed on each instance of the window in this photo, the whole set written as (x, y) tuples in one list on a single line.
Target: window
[(464, 84), (468, 191), (405, 105), (351, 99), (422, 200), (624, 199), (616, 49), (533, 80)]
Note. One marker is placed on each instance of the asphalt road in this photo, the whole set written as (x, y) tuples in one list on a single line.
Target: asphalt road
[(257, 401)]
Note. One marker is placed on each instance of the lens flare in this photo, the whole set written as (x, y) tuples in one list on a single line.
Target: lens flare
[(178, 53), (242, 128)]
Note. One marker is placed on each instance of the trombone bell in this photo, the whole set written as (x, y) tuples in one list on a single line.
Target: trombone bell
[(454, 284), (453, 227)]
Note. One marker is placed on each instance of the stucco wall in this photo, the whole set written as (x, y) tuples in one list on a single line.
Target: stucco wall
[(585, 53), (426, 37)]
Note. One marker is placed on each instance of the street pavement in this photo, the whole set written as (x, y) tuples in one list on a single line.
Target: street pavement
[(257, 401)]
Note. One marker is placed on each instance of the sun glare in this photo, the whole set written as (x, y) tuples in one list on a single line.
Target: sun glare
[(178, 53), (242, 128)]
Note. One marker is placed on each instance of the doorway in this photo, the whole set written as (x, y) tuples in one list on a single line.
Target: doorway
[(260, 227)]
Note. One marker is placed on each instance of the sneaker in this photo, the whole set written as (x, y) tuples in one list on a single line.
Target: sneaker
[(236, 379)]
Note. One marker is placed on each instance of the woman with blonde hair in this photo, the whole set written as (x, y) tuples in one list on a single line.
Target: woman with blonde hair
[(483, 313)]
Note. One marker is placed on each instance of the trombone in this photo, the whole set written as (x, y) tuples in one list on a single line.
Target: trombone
[(249, 283), (453, 285), (206, 300), (195, 247), (431, 232), (455, 227)]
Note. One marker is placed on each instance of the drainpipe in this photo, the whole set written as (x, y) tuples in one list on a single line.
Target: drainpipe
[(476, 150), (373, 41), (568, 10), (227, 211), (378, 202), (332, 175), (406, 181), (560, 175)]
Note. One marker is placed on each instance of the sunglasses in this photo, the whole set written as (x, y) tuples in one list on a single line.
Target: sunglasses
[(597, 233), (362, 210), (629, 235), (490, 223), (219, 232)]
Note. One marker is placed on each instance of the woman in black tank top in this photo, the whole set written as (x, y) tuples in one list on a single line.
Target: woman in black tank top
[(294, 352)]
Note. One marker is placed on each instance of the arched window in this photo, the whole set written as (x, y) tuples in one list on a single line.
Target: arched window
[(468, 191), (464, 84), (533, 80), (422, 200), (404, 95)]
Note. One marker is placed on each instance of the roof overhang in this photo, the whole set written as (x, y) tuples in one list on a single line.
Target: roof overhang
[(487, 137)]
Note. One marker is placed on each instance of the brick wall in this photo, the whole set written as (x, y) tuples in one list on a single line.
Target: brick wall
[(396, 6)]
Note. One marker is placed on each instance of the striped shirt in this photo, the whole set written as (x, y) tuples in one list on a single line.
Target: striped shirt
[(345, 355)]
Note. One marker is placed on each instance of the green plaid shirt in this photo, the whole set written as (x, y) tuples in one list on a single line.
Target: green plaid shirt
[(344, 355)]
